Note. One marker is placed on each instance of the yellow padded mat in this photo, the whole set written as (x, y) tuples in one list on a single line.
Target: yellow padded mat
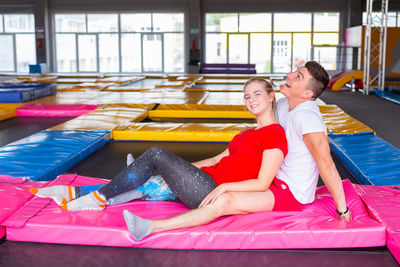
[(7, 110), (339, 122), (121, 79), (200, 111), (106, 117), (200, 132), (222, 81)]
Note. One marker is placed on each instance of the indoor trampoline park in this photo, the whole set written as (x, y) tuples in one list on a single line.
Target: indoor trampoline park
[(199, 133)]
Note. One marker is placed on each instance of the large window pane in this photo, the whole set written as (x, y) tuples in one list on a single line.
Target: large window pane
[(282, 53), (168, 22), (301, 49), (131, 51), (1, 24), (7, 53), (222, 22), (326, 21), (26, 51), (66, 52), (70, 22), (135, 22), (108, 52), (238, 48), (326, 39), (292, 22), (102, 22), (19, 23), (152, 52), (173, 52), (326, 56), (260, 51), (258, 22), (216, 48), (87, 52)]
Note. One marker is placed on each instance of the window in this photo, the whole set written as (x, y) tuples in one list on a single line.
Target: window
[(128, 42), (17, 42), (250, 38)]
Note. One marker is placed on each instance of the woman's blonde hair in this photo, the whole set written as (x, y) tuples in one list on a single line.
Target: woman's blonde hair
[(267, 86)]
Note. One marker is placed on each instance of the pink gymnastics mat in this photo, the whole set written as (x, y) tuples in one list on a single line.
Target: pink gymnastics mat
[(13, 195), (54, 110), (384, 205), (314, 226)]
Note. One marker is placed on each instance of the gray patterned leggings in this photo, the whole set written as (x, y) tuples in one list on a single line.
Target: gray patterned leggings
[(189, 183)]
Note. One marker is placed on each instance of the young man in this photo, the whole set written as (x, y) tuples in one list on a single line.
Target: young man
[(308, 157)]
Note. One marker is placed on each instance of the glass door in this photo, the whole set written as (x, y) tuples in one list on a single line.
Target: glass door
[(152, 44)]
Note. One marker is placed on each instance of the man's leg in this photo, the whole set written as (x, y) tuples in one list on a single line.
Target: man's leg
[(227, 204)]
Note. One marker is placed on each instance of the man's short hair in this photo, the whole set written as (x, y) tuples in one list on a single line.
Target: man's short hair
[(320, 78)]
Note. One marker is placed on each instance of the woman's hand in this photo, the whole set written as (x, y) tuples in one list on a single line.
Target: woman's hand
[(213, 195)]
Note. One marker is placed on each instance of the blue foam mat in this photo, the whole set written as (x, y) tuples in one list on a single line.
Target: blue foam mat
[(388, 96), (25, 92), (46, 154), (369, 158)]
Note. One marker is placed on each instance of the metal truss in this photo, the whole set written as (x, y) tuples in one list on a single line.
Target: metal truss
[(375, 53)]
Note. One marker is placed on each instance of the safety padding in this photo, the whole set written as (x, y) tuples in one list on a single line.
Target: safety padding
[(339, 122), (7, 111), (46, 154), (106, 117), (368, 157), (121, 79), (200, 111), (383, 203), (81, 87), (339, 80), (184, 132), (54, 110), (18, 93), (95, 97), (233, 76), (14, 193), (2, 232), (314, 226), (65, 80), (393, 244), (222, 81), (391, 96)]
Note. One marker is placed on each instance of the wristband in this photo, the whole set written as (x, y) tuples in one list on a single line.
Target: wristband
[(343, 213)]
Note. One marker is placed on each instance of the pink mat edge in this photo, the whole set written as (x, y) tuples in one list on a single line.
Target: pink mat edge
[(48, 110)]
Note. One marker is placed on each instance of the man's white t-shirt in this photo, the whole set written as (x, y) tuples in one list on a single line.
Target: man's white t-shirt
[(299, 169)]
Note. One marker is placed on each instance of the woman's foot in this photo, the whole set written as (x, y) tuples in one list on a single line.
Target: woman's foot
[(61, 194), (92, 201), (139, 227)]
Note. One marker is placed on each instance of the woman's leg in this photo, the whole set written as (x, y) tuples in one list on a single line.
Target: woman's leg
[(189, 183), (226, 204)]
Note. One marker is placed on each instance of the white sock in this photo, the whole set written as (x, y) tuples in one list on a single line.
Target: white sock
[(61, 194), (92, 201), (139, 227), (129, 159)]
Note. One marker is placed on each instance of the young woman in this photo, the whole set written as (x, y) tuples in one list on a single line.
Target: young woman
[(249, 164)]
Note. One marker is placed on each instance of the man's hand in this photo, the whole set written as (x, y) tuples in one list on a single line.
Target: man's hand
[(346, 217), (212, 196)]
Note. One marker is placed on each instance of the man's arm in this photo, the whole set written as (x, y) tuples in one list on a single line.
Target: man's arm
[(318, 146)]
